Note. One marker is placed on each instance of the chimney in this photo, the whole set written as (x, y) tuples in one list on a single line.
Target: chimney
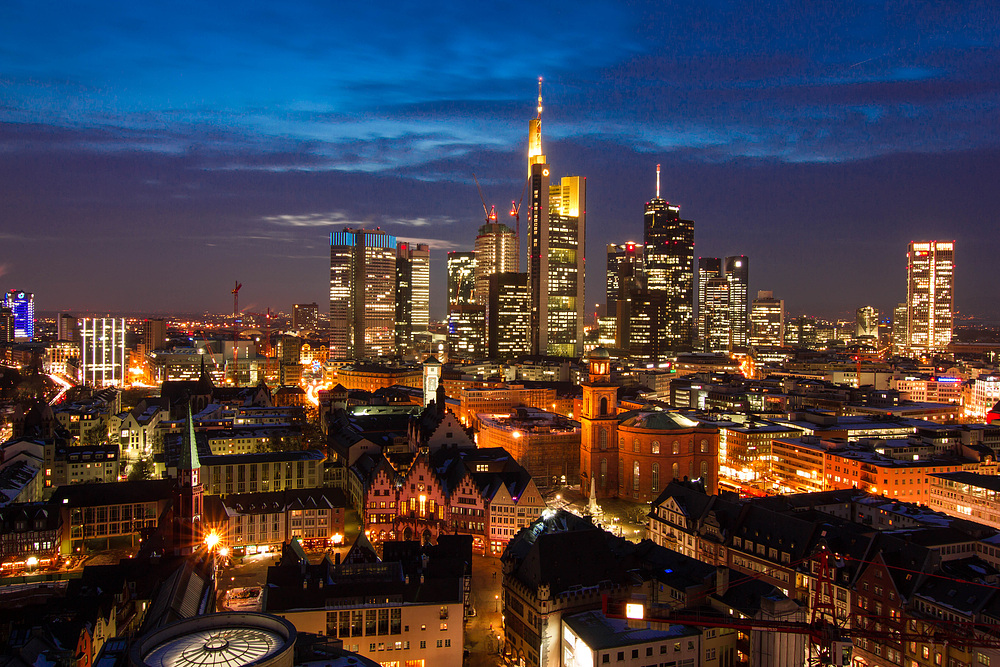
[(336, 558), (721, 580)]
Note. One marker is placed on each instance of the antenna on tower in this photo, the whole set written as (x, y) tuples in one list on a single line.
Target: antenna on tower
[(539, 97), (657, 181)]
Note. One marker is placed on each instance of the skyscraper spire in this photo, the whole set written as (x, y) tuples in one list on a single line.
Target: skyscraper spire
[(657, 181), (535, 134), (539, 98)]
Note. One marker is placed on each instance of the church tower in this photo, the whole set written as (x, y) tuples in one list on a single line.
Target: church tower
[(599, 425), (188, 494)]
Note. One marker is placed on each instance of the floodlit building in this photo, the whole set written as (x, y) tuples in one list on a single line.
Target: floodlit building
[(508, 316), (866, 323)]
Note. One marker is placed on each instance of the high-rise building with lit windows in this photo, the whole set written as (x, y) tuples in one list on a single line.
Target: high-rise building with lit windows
[(508, 316), (718, 292), (496, 251), (669, 270), (461, 278), (305, 316), (767, 320), (899, 329), (362, 294), (866, 322), (708, 268), (930, 296), (22, 306), (557, 221), (625, 278), (413, 290), (738, 276)]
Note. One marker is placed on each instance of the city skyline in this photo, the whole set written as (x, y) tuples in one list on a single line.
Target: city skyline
[(205, 146)]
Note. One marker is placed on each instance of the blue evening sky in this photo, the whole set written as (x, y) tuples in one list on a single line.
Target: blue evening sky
[(151, 153)]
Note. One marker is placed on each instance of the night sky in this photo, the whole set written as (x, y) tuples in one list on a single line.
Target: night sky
[(153, 153)]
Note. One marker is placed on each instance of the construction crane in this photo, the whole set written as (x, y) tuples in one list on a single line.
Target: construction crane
[(491, 212), (831, 642), (236, 310), (515, 209)]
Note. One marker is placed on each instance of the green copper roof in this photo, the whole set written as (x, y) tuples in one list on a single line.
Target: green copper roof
[(656, 420)]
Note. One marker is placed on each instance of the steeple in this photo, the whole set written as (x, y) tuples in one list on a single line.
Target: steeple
[(535, 155), (189, 450)]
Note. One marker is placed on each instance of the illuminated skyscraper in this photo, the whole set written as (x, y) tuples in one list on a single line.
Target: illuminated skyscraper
[(738, 275), (717, 315), (305, 316), (556, 232), (708, 268), (899, 329), (496, 252), (413, 289), (22, 306), (669, 268), (362, 294), (508, 317), (102, 351), (930, 296), (626, 276), (866, 322), (767, 320), (461, 278), (466, 331)]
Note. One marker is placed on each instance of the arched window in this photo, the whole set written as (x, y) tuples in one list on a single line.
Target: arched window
[(604, 473), (691, 447), (690, 470), (676, 447), (656, 477), (621, 474), (602, 439), (675, 471), (621, 443), (704, 469), (604, 405), (635, 477), (655, 447), (635, 445), (704, 446)]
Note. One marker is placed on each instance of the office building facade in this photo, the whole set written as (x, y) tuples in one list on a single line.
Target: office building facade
[(362, 294), (930, 296), (708, 268)]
